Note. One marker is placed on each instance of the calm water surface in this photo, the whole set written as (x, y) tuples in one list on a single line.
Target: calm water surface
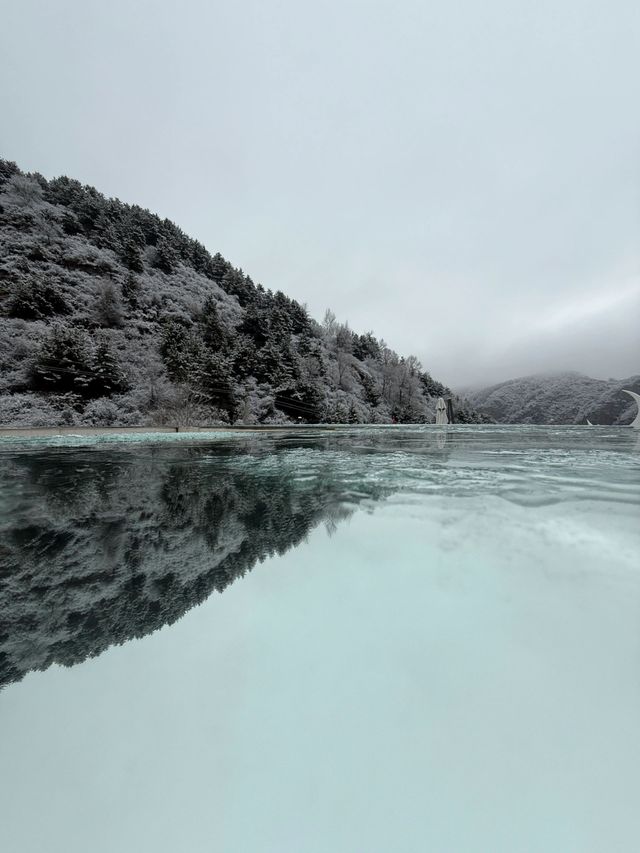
[(376, 639)]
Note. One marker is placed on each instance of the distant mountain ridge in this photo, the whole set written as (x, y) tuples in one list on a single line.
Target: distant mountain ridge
[(110, 315), (560, 398)]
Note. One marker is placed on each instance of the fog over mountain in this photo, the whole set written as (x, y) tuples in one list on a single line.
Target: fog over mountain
[(462, 178), (559, 398)]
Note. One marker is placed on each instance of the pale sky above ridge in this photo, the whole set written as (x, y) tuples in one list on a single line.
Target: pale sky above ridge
[(461, 178)]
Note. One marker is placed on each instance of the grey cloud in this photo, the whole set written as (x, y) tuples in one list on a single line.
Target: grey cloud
[(443, 174)]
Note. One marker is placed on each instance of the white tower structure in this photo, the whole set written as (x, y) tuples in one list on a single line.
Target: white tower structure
[(636, 397), (441, 412)]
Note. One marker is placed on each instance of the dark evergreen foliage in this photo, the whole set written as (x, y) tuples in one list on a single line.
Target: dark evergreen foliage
[(7, 170), (181, 351), (366, 346), (214, 332), (64, 363), (214, 379), (67, 363), (108, 307), (131, 256), (166, 256), (131, 291), (36, 300)]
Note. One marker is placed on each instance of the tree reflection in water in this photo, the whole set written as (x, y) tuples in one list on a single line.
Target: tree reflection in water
[(103, 545)]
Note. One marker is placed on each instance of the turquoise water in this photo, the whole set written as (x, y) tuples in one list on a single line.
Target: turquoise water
[(366, 639)]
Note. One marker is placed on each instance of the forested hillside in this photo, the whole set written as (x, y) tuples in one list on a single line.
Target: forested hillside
[(110, 315), (563, 398)]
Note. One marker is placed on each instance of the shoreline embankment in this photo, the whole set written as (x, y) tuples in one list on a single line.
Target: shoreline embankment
[(37, 432)]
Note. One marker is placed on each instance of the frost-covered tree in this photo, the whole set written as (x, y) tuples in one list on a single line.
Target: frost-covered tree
[(108, 308), (166, 257), (131, 254), (64, 363), (214, 383), (181, 351), (131, 291), (108, 377), (32, 299), (215, 332)]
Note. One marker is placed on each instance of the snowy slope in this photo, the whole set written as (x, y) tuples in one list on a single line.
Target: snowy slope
[(562, 398)]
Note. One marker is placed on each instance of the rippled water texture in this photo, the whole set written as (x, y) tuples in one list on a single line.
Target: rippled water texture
[(427, 639)]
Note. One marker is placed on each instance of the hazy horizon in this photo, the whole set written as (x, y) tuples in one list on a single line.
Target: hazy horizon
[(463, 181)]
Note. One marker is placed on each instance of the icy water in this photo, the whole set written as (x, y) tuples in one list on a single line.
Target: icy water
[(321, 641)]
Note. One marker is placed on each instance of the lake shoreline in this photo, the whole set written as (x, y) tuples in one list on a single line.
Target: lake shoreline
[(38, 432), (73, 431)]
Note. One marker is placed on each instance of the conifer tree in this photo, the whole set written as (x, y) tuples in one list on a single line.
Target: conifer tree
[(108, 377), (131, 256), (214, 332), (166, 258), (131, 290), (181, 351), (218, 267), (255, 325), (108, 310), (63, 363), (214, 382), (36, 300)]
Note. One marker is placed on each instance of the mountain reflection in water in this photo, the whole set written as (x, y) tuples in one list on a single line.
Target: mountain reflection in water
[(103, 543)]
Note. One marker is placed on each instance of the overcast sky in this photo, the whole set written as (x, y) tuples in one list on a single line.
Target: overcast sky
[(461, 177)]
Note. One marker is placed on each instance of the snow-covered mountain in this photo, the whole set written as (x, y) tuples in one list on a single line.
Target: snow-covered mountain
[(110, 315), (560, 398)]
